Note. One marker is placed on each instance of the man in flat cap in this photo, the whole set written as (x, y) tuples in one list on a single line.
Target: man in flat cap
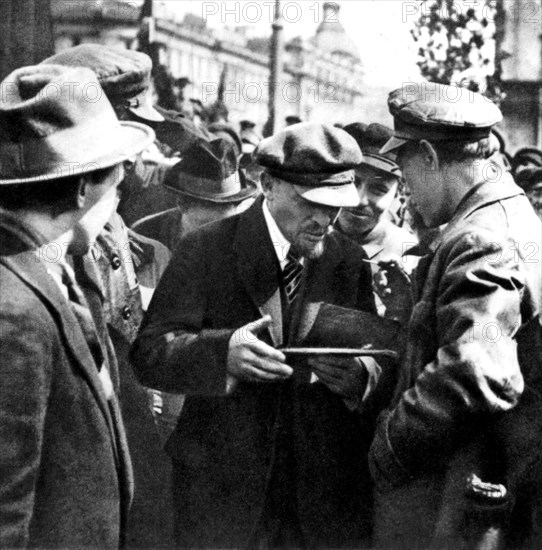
[(456, 458), (263, 458), (370, 223), (64, 464)]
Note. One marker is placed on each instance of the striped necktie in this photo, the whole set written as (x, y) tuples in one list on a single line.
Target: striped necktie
[(291, 275)]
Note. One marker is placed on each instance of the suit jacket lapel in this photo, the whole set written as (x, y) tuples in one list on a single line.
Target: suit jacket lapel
[(258, 267)]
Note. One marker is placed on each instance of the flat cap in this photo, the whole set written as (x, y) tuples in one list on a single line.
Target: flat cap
[(438, 112), (124, 75), (319, 161), (370, 140)]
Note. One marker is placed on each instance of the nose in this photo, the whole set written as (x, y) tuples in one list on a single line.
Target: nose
[(363, 198), (324, 216)]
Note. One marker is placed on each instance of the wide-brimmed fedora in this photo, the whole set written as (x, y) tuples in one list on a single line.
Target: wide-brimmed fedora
[(56, 122), (209, 171)]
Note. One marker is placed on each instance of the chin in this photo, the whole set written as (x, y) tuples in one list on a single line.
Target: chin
[(315, 252)]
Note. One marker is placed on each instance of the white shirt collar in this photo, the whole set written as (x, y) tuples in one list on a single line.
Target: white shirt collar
[(281, 245)]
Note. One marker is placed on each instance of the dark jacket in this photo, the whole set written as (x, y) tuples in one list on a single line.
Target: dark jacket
[(220, 278), (165, 227), (472, 375), (111, 277), (65, 474)]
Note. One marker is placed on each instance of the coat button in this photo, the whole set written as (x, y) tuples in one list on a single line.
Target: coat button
[(115, 262), (126, 313)]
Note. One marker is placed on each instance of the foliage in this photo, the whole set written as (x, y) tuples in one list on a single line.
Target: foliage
[(458, 44)]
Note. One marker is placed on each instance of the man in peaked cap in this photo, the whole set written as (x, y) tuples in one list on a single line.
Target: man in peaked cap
[(263, 457), (455, 458), (65, 467), (370, 224)]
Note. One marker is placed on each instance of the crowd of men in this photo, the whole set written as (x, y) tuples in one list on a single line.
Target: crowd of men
[(327, 338)]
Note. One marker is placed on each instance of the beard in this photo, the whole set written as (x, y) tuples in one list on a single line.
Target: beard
[(316, 252)]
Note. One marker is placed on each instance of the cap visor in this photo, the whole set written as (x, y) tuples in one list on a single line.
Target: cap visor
[(393, 144), (148, 113), (338, 196)]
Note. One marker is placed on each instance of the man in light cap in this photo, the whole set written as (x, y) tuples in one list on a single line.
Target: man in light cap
[(65, 469), (456, 458), (263, 458)]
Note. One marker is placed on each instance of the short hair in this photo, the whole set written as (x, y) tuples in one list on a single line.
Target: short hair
[(56, 196), (459, 150)]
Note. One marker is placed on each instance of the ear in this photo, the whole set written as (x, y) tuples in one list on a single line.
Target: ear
[(430, 155), (82, 192), (268, 185)]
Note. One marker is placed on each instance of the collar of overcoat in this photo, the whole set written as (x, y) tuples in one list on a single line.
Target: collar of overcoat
[(19, 254), (482, 194)]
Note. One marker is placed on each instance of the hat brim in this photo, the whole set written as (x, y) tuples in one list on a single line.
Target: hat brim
[(147, 112), (98, 152), (393, 144), (249, 190), (337, 196)]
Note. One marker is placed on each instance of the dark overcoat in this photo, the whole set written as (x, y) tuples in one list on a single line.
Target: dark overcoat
[(65, 473), (220, 278), (471, 393)]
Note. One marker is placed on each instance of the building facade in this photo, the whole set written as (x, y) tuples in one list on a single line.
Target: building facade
[(321, 78)]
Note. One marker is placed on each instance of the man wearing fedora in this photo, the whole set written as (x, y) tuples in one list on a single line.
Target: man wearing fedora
[(125, 76), (456, 458), (65, 468), (118, 278), (266, 455), (210, 187)]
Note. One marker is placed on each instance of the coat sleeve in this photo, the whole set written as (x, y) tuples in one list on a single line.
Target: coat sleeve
[(475, 374), (25, 374), (174, 351)]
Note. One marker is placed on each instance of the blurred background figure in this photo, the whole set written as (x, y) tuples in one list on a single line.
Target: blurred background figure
[(530, 180), (210, 187), (528, 157)]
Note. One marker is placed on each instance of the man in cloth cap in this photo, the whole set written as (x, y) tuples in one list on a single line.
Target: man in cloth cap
[(262, 457), (65, 468), (456, 458), (370, 223)]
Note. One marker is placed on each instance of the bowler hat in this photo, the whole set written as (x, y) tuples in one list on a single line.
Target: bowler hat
[(318, 160), (209, 171), (370, 140), (125, 75), (438, 112), (56, 122)]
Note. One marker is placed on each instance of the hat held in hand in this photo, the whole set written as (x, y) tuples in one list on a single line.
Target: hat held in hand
[(209, 171), (57, 122)]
